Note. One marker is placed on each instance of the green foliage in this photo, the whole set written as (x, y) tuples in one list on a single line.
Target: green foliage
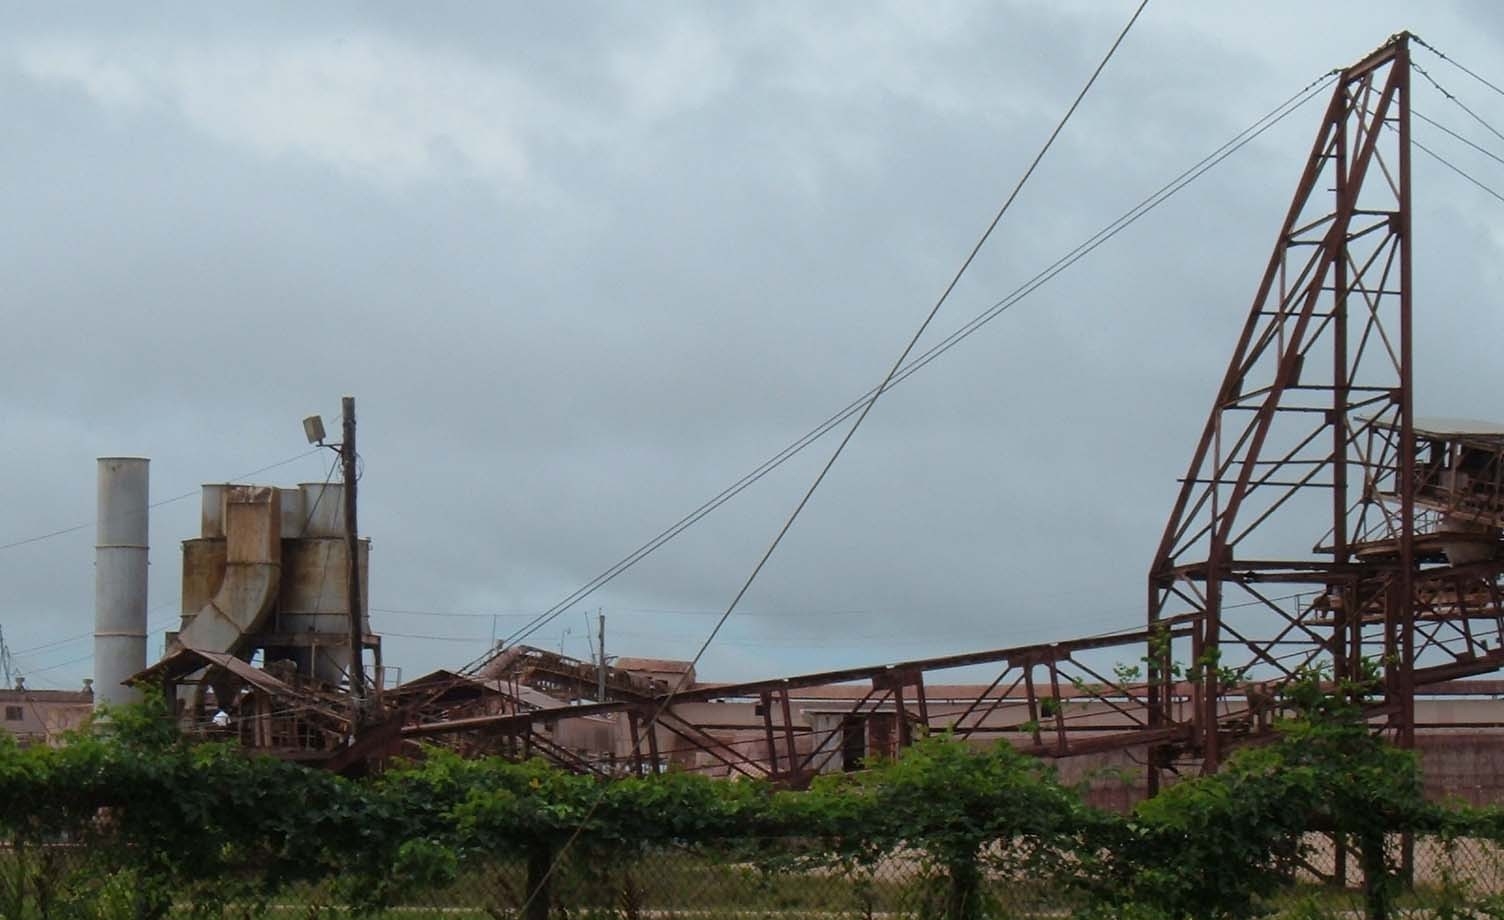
[(947, 798), (495, 806), (968, 811), (163, 818), (172, 826), (1221, 845)]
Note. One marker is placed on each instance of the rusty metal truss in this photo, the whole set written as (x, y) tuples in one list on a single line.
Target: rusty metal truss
[(1056, 700), (1311, 442), (1320, 525), (1312, 439)]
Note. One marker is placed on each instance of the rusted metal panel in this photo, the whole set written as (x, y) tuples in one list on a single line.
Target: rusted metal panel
[(253, 525), (312, 595), (203, 572)]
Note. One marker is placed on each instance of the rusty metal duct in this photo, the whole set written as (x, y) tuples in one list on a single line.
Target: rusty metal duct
[(120, 560), (252, 522)]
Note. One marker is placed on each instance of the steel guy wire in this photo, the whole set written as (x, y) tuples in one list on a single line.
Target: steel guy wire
[(1448, 163), (1455, 168), (1458, 102), (1439, 53), (1160, 196), (855, 425), (1445, 130)]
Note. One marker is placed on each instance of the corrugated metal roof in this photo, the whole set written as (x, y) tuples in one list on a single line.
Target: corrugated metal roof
[(185, 661), (1458, 427), (1447, 428)]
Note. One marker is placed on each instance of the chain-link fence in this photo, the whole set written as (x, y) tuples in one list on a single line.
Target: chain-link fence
[(742, 879), (1452, 879), (1446, 878)]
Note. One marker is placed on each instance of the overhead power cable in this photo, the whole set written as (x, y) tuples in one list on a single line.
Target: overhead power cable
[(28, 672), (463, 614), (1248, 134), (55, 643), (85, 635), (432, 638), (157, 504), (857, 423), (400, 611), (62, 664)]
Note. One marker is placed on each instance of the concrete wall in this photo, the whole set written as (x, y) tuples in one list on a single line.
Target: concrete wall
[(1467, 765)]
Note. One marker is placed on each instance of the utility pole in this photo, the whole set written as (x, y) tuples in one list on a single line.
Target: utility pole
[(600, 668), (4, 661), (348, 457)]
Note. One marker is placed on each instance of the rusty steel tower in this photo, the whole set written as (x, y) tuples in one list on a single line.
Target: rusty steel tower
[(1312, 440), (1320, 525)]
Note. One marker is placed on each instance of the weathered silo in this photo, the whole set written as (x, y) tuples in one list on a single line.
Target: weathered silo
[(120, 567), (313, 607), (303, 616)]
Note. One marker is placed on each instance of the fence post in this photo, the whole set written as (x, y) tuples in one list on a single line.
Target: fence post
[(540, 861), (1376, 882), (1339, 860), (963, 897)]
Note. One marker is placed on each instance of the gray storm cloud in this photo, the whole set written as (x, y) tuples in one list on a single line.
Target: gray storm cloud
[(585, 266)]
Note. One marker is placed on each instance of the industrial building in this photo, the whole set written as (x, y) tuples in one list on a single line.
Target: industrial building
[(44, 716)]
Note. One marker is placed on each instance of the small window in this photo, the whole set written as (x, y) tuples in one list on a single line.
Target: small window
[(14, 714)]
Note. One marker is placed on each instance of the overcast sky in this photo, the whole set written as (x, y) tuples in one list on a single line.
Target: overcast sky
[(584, 265)]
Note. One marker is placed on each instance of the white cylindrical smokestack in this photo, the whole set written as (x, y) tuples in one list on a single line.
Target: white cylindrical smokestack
[(120, 578)]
